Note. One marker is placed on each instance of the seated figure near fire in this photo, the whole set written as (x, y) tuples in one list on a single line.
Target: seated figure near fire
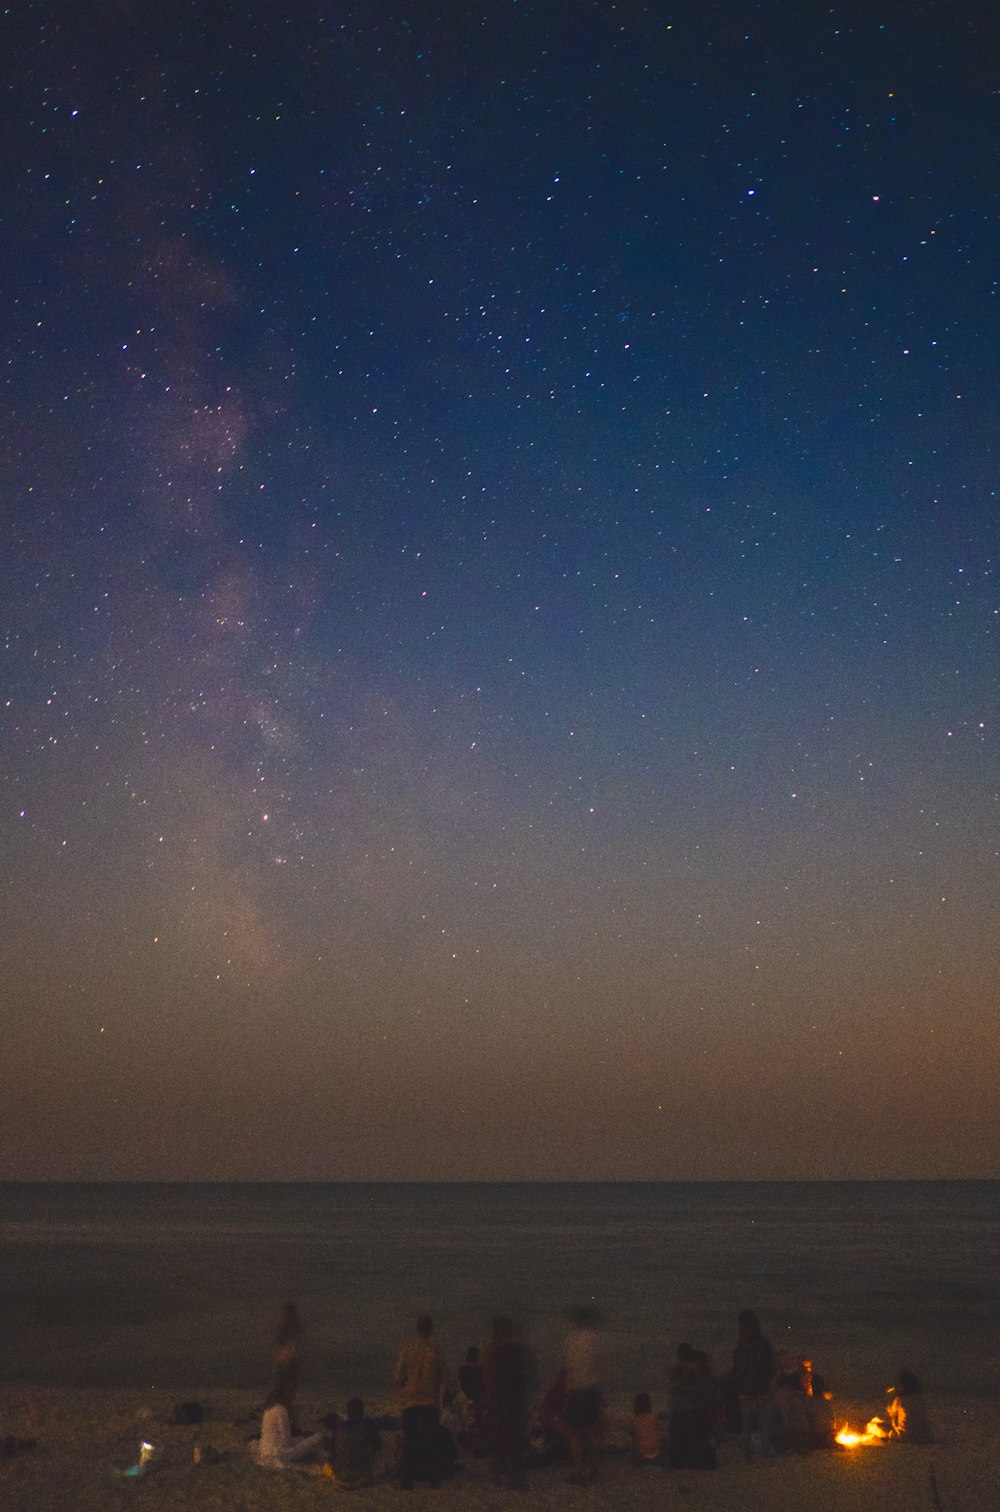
[(822, 1428), (792, 1386), (692, 1394), (908, 1410)]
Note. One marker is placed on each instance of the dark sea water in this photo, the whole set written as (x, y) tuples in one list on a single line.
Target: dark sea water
[(173, 1287)]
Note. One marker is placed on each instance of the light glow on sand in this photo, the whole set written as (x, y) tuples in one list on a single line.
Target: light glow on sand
[(875, 1432)]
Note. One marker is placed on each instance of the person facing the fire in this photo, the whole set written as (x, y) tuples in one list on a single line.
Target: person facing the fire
[(908, 1410)]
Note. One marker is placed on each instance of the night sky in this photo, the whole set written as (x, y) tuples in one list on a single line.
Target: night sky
[(499, 597)]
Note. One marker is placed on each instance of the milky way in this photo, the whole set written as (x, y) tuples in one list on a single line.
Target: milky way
[(499, 600)]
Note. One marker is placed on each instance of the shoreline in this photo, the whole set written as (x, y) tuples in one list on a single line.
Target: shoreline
[(85, 1437)]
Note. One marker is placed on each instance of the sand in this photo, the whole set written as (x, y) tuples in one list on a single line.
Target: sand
[(84, 1439)]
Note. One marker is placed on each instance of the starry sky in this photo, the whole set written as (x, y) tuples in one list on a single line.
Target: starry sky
[(499, 599)]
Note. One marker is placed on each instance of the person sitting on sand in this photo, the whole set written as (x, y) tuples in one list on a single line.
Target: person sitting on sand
[(548, 1436), (692, 1392), (648, 1433), (420, 1375), (819, 1411), (356, 1445), (277, 1445), (473, 1388), (908, 1410), (791, 1410)]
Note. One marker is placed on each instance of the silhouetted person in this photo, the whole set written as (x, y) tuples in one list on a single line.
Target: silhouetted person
[(420, 1375), (908, 1410), (691, 1394), (819, 1409), (792, 1388), (470, 1379), (550, 1439), (508, 1377), (470, 1375), (751, 1377), (356, 1443)]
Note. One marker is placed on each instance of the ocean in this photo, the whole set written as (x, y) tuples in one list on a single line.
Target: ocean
[(178, 1288)]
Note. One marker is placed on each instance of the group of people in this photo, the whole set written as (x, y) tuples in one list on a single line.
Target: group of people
[(496, 1409), (780, 1403)]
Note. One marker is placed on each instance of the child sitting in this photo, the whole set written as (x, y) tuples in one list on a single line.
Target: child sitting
[(472, 1387), (647, 1432)]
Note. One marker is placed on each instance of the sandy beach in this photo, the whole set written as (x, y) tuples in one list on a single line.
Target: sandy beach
[(122, 1305), (85, 1438)]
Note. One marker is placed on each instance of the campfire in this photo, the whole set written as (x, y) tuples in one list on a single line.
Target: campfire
[(875, 1432)]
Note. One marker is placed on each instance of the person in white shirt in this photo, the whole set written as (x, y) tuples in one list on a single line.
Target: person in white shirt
[(277, 1445), (584, 1401)]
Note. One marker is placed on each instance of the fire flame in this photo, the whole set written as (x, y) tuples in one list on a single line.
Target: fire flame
[(875, 1433)]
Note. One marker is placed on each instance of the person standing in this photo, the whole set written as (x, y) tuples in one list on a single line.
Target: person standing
[(584, 1411), (751, 1378), (420, 1375), (508, 1377)]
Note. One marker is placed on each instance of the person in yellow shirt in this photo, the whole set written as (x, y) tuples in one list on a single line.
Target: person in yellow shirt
[(421, 1374)]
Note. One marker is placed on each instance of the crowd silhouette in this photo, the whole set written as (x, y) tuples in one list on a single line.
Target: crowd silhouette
[(498, 1407)]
